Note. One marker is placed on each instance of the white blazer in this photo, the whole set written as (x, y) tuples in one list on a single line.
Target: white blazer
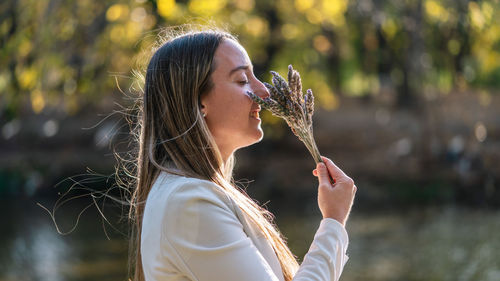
[(192, 230)]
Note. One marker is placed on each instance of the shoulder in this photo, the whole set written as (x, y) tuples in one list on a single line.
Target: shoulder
[(173, 196), (187, 198), (188, 189), (198, 211)]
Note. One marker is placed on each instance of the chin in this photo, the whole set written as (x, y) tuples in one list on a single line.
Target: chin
[(257, 137), (260, 135)]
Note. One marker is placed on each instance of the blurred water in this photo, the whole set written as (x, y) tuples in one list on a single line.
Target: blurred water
[(428, 243), (420, 244), (32, 249)]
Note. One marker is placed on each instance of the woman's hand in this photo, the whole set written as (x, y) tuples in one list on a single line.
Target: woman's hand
[(334, 200)]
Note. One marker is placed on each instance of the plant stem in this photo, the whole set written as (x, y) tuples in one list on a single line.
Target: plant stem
[(316, 155), (308, 140)]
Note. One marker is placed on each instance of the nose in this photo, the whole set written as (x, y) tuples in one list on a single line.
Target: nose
[(261, 90)]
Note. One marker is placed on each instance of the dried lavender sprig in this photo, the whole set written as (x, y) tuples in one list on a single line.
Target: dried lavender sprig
[(286, 101)]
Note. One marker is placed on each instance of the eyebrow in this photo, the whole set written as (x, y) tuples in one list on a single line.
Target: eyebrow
[(245, 67)]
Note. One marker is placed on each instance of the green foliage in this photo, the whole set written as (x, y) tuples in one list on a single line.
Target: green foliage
[(66, 54)]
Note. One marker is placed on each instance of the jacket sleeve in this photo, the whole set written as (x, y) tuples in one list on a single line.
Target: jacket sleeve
[(326, 256), (210, 244)]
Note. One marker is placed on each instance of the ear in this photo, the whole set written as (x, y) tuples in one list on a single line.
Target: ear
[(203, 104), (203, 111), (203, 108)]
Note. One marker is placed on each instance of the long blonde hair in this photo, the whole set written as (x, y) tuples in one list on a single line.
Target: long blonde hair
[(170, 131)]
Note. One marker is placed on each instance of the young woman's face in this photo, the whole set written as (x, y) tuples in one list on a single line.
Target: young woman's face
[(231, 116)]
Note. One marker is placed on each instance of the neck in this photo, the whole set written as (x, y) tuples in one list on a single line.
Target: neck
[(225, 149), (225, 156)]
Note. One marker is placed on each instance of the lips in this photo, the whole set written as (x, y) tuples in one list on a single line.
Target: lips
[(255, 113)]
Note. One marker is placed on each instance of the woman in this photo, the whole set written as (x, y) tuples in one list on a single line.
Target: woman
[(192, 222)]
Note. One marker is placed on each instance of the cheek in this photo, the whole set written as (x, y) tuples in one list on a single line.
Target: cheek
[(232, 117), (234, 99), (223, 96), (229, 105)]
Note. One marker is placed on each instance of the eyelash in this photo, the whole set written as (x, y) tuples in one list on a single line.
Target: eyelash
[(244, 82)]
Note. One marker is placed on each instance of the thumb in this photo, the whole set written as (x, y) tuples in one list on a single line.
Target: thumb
[(323, 176)]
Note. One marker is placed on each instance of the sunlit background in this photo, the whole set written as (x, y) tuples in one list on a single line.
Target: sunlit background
[(407, 103)]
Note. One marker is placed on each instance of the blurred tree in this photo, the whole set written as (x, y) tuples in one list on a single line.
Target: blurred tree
[(64, 54)]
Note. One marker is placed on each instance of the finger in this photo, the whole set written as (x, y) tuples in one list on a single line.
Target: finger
[(335, 171), (315, 172), (323, 175)]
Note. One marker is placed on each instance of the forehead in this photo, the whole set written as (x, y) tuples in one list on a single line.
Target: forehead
[(229, 55)]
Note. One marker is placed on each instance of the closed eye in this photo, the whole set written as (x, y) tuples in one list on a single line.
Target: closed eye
[(244, 82)]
